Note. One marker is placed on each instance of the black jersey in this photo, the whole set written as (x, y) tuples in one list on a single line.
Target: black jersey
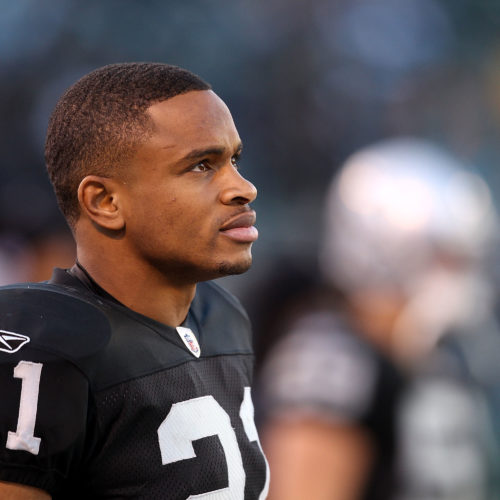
[(101, 402), (323, 368)]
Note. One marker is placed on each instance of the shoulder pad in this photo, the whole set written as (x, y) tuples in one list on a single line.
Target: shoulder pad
[(52, 318)]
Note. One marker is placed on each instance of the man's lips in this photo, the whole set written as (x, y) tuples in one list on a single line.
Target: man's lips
[(245, 219), (241, 228)]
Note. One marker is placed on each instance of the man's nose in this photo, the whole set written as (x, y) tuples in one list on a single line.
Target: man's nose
[(237, 189)]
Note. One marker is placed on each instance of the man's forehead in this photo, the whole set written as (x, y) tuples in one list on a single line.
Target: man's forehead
[(195, 103), (199, 117)]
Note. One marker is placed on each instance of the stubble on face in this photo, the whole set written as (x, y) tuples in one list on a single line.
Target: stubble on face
[(228, 268)]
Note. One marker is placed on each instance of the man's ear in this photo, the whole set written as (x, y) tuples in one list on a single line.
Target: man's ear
[(100, 201)]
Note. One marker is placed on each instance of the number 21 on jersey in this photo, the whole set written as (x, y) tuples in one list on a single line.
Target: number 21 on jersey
[(196, 418)]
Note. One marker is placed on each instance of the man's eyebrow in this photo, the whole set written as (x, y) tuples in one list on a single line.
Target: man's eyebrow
[(200, 153)]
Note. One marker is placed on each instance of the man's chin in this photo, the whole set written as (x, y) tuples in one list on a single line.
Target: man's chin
[(230, 268)]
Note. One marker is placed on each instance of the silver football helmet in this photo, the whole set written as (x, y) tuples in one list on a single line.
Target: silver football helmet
[(397, 206), (406, 221)]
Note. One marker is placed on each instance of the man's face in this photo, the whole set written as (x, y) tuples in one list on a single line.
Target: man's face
[(186, 204)]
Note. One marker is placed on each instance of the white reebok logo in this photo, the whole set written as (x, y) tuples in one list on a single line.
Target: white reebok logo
[(11, 342)]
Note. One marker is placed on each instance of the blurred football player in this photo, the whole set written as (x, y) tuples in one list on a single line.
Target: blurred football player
[(361, 402)]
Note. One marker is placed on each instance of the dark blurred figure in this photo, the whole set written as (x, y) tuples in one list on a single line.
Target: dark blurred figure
[(361, 396), (32, 257)]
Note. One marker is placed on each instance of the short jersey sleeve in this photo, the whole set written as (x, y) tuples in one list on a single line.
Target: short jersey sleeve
[(43, 418), (46, 333), (319, 368)]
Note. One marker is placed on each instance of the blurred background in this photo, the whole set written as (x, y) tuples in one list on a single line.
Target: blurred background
[(308, 83)]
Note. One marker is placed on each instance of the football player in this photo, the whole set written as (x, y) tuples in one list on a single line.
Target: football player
[(129, 375), (359, 399)]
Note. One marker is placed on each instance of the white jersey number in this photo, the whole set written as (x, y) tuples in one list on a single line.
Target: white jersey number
[(202, 417), (23, 438)]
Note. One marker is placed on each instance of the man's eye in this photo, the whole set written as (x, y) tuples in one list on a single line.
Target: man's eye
[(235, 160), (202, 166)]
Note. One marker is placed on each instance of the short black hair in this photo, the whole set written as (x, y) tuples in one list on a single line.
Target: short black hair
[(101, 119)]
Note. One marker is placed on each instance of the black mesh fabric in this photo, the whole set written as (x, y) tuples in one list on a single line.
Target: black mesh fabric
[(129, 465)]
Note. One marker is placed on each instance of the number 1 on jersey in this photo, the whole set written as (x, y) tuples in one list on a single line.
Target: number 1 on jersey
[(23, 438)]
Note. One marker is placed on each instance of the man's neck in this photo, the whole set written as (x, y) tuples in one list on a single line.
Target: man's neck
[(142, 290)]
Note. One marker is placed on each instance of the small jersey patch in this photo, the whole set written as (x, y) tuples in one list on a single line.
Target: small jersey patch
[(189, 340), (11, 342)]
